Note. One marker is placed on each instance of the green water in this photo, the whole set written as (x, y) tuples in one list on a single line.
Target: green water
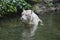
[(10, 29)]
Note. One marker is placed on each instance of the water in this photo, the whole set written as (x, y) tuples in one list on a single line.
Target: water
[(10, 29)]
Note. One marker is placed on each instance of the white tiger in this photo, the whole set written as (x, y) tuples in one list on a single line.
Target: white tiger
[(31, 20)]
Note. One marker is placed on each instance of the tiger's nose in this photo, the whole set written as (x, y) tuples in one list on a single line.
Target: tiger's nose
[(22, 18)]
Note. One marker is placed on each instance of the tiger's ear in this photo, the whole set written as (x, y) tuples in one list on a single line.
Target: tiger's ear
[(24, 10)]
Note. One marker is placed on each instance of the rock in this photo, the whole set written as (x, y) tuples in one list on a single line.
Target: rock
[(40, 8)]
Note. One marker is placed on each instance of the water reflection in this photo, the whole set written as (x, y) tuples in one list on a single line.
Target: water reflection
[(10, 29)]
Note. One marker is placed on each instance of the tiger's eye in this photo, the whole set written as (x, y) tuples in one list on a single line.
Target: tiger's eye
[(26, 15)]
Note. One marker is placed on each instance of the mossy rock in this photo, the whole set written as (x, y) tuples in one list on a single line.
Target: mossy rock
[(36, 8)]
